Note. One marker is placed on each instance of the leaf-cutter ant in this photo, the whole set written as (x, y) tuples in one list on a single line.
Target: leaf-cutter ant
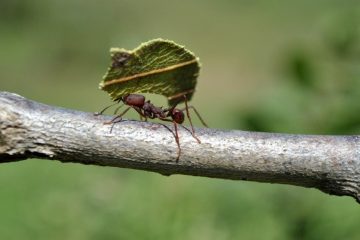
[(119, 59), (148, 110)]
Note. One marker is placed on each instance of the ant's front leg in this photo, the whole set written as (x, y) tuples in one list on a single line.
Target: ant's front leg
[(176, 135), (169, 110), (188, 116), (177, 141), (197, 114)]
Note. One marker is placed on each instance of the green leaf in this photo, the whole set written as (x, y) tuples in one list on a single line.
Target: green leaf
[(158, 66)]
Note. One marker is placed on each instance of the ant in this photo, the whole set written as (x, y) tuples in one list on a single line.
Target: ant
[(148, 110)]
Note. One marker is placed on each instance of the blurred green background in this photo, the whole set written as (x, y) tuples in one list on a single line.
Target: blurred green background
[(282, 66)]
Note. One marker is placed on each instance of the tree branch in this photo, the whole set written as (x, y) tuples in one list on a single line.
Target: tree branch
[(33, 130)]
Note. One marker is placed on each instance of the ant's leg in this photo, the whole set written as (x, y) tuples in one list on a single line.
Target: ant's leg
[(177, 141), (170, 109), (118, 117), (102, 111), (176, 135), (118, 108), (188, 115), (113, 124), (197, 114), (142, 115), (168, 129), (193, 135)]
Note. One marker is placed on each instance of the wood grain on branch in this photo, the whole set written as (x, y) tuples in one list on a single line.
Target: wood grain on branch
[(33, 130)]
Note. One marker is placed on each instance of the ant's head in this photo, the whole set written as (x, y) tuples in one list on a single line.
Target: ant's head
[(177, 116)]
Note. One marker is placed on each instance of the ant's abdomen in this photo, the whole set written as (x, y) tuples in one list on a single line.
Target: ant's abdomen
[(136, 100)]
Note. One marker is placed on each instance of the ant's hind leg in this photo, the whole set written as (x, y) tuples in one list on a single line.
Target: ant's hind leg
[(102, 111), (118, 108), (113, 124), (117, 118)]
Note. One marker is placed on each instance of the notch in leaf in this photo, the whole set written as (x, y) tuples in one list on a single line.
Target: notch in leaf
[(158, 66)]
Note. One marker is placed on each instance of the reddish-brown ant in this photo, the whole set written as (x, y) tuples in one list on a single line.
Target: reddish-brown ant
[(148, 110)]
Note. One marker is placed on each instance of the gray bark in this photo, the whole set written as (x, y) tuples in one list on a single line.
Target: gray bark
[(33, 130)]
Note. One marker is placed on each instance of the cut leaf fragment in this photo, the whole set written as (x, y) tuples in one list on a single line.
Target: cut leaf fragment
[(158, 66)]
